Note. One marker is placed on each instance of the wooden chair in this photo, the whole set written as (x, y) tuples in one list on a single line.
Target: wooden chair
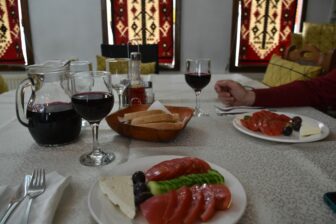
[(311, 55), (149, 52)]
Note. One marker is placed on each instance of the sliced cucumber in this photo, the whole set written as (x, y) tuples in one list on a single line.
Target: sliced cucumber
[(160, 187)]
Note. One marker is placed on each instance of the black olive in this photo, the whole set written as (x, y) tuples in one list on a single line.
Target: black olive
[(139, 198), (140, 188), (138, 177), (296, 123), (287, 131)]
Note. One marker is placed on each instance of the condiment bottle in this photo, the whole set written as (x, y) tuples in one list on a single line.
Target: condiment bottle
[(136, 90)]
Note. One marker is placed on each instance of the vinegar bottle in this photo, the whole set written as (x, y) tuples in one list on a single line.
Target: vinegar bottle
[(136, 90)]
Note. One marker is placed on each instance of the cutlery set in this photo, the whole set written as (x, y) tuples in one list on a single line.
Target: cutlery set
[(220, 111), (33, 186)]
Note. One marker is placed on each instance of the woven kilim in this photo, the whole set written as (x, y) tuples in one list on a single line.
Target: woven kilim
[(266, 26), (144, 22), (10, 37)]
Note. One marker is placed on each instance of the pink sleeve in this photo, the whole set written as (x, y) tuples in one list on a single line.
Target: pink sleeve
[(317, 92)]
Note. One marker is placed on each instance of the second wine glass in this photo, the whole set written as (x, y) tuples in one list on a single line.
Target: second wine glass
[(118, 67), (93, 100), (197, 76)]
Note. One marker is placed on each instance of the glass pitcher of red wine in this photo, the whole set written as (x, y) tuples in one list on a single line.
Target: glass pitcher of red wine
[(47, 112)]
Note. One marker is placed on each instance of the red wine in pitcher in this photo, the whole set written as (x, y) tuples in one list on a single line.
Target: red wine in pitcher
[(54, 123), (197, 81), (93, 106)]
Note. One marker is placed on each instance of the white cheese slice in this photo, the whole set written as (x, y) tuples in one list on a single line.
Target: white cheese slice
[(309, 129), (119, 189)]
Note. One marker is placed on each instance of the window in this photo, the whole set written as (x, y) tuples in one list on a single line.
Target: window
[(15, 39), (146, 22), (261, 29)]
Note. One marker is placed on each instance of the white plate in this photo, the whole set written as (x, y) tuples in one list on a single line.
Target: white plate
[(105, 213), (293, 138)]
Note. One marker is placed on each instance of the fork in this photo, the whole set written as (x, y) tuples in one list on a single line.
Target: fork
[(36, 187), (226, 109)]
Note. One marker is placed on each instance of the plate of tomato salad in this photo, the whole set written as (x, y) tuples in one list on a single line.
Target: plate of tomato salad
[(269, 126), (103, 211)]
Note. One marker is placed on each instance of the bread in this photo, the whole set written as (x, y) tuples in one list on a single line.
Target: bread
[(119, 189), (130, 116), (156, 118), (163, 125)]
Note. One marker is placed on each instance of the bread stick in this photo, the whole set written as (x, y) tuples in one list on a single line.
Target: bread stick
[(130, 116), (155, 118)]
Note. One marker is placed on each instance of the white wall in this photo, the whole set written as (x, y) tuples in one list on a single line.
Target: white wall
[(72, 29)]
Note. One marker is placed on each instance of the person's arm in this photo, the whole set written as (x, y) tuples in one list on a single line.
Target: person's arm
[(317, 92), (234, 94)]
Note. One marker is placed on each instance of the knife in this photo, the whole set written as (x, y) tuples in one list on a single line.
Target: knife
[(20, 195)]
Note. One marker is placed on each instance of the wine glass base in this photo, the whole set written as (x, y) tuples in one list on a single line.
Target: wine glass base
[(96, 159), (199, 113)]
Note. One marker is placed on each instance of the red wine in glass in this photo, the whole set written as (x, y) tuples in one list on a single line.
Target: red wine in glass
[(92, 99), (197, 81), (197, 76), (93, 106)]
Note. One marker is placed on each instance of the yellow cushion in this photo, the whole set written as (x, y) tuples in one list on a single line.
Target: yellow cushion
[(323, 36), (280, 71), (145, 68), (3, 85)]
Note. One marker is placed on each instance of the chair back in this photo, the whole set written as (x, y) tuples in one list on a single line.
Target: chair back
[(149, 52), (3, 85), (311, 55)]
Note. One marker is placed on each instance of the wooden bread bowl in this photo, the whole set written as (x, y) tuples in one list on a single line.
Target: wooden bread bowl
[(147, 133)]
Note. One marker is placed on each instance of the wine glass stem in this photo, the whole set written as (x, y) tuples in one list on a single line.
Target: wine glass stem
[(120, 100), (197, 93), (95, 145)]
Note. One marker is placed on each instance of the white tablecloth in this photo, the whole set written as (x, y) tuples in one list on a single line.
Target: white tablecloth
[(284, 182)]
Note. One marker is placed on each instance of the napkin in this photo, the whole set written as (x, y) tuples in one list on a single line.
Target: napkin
[(157, 105), (43, 207)]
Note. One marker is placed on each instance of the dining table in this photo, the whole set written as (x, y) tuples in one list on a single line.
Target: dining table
[(283, 182)]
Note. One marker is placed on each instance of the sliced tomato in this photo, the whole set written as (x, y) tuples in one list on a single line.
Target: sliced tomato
[(222, 196), (154, 208), (171, 205), (160, 171), (184, 198), (196, 207), (176, 167), (209, 204)]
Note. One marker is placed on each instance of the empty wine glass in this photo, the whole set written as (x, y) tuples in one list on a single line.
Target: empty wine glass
[(93, 100), (197, 76), (80, 66), (118, 67)]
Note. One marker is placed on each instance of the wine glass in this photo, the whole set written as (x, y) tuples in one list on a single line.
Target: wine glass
[(80, 66), (77, 66), (118, 67), (92, 100), (197, 76)]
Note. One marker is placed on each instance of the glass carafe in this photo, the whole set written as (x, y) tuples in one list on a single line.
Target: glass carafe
[(48, 113)]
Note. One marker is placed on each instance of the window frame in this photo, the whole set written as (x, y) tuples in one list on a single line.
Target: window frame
[(26, 34), (177, 38)]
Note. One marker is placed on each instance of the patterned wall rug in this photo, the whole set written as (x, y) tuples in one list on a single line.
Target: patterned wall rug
[(10, 37), (147, 22), (266, 26)]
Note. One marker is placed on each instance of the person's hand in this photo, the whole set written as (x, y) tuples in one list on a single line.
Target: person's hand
[(232, 93)]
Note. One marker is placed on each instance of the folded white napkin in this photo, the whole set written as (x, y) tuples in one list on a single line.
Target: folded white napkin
[(44, 206)]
